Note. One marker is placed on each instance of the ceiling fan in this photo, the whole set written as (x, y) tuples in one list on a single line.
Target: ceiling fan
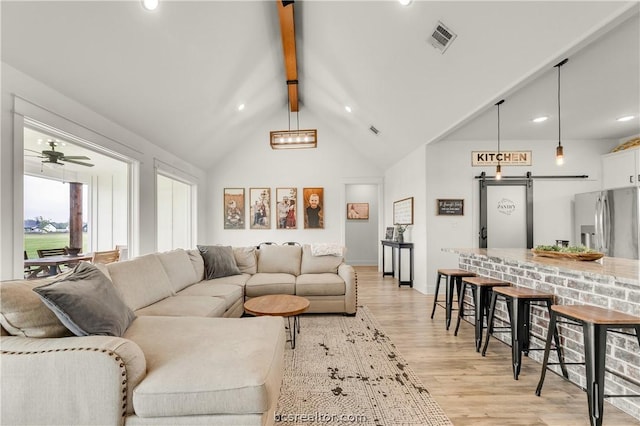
[(56, 157)]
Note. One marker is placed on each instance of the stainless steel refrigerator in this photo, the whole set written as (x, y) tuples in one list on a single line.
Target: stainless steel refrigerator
[(608, 221)]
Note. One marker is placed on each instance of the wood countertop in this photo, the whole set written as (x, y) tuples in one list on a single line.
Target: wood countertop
[(619, 268)]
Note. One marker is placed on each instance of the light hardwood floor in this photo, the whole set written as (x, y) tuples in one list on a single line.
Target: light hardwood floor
[(472, 390)]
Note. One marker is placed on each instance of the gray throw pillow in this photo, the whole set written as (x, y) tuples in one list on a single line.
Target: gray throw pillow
[(219, 261), (87, 303)]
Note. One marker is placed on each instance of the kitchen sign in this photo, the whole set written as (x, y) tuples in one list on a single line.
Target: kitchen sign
[(505, 158)]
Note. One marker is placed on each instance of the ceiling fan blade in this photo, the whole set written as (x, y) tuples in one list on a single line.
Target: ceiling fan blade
[(31, 150), (78, 162), (75, 157)]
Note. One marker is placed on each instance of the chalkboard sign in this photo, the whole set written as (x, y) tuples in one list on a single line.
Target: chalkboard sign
[(448, 207)]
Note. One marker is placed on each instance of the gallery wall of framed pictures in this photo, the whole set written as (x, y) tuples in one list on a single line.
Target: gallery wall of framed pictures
[(261, 211)]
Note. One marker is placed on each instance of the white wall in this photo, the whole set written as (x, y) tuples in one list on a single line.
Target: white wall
[(46, 105), (449, 175), (406, 179), (254, 164)]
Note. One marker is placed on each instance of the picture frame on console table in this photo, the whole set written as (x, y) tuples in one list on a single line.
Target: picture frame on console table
[(313, 199), (233, 208), (287, 208), (390, 231), (260, 208)]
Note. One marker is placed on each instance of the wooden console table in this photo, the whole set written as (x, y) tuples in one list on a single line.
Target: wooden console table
[(398, 246)]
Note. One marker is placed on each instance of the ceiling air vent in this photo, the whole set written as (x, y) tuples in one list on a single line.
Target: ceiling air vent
[(441, 37), (374, 130)]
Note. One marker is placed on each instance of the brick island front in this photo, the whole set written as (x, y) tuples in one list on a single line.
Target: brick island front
[(612, 283)]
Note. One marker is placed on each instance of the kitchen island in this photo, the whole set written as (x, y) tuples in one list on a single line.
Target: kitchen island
[(612, 283)]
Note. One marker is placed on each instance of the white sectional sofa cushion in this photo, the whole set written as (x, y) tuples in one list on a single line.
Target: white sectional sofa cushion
[(179, 269), (200, 366), (141, 281), (261, 284), (326, 284), (22, 312), (176, 306), (279, 259), (197, 262), (246, 259), (318, 264), (230, 293)]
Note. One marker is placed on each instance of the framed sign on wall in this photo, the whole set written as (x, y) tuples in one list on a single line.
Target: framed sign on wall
[(403, 211), (450, 207)]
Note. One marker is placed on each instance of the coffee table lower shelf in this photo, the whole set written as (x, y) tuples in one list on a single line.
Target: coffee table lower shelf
[(281, 305)]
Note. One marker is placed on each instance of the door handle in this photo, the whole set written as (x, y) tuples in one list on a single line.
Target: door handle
[(631, 179), (483, 233)]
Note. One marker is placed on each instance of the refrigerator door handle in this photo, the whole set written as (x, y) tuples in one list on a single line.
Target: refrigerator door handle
[(598, 224), (606, 225)]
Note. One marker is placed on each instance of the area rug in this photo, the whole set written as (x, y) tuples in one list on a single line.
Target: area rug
[(346, 371)]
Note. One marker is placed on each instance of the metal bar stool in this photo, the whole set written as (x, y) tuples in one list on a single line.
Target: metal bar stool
[(595, 322), (518, 301), (481, 289), (452, 276)]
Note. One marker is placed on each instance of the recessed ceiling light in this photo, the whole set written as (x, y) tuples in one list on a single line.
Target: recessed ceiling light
[(405, 2), (626, 118), (540, 119), (150, 4), (347, 108), (240, 107)]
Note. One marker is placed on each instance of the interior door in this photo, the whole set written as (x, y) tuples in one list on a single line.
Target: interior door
[(506, 214)]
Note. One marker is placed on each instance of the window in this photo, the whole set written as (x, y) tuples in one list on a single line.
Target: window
[(174, 209)]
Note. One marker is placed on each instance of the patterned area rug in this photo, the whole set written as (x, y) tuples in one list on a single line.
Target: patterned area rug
[(346, 371)]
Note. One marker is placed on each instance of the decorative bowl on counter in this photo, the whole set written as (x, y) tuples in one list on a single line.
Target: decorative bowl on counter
[(570, 253)]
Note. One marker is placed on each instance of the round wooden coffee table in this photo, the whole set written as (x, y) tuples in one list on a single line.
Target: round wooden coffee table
[(281, 305)]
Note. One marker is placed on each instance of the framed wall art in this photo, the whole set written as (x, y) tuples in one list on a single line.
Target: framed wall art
[(403, 211), (313, 199), (260, 208), (286, 208), (357, 211), (233, 208), (450, 207)]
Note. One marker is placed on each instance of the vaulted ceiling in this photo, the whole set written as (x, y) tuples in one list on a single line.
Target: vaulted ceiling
[(176, 76)]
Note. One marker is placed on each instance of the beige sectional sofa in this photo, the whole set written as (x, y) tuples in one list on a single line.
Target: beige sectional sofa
[(186, 358)]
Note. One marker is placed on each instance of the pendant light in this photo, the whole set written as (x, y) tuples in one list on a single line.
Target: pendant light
[(498, 168), (559, 149)]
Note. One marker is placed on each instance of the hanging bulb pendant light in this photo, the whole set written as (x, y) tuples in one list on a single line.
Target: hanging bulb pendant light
[(498, 167), (559, 148)]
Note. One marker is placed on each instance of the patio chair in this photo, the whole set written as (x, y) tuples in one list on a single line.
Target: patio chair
[(31, 271), (104, 257), (52, 252)]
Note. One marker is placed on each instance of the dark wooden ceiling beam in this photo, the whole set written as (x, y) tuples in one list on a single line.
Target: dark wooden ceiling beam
[(288, 32)]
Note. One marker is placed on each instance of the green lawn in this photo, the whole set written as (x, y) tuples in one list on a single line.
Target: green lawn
[(33, 242)]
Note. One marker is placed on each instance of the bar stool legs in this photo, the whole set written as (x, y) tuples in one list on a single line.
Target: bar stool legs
[(595, 323), (453, 278), (518, 302), (481, 290)]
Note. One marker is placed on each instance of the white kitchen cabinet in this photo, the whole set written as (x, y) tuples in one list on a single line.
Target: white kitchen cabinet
[(621, 169)]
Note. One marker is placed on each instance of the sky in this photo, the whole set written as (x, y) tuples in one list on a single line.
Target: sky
[(48, 198)]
